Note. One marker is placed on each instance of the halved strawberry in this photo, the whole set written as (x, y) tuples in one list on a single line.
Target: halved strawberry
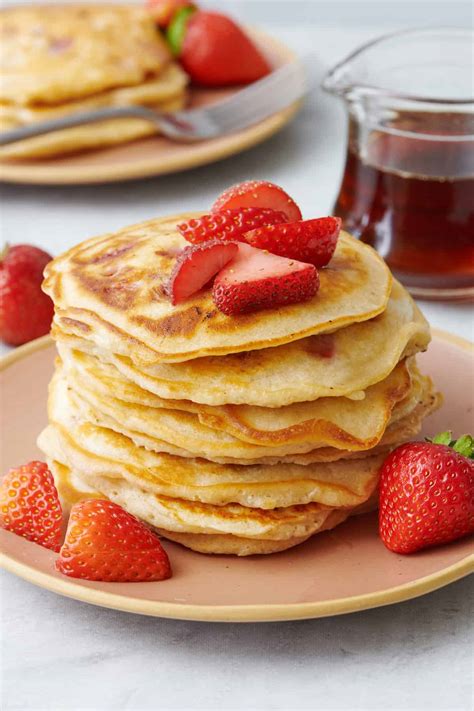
[(258, 193), (229, 224), (257, 280), (30, 506), (196, 265), (104, 542), (312, 241)]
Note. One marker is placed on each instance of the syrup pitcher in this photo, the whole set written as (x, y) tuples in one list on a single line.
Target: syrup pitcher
[(408, 185)]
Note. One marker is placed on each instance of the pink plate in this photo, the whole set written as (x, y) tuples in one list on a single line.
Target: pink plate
[(339, 571)]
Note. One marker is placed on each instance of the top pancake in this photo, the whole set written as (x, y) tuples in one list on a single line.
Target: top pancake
[(52, 54), (110, 290)]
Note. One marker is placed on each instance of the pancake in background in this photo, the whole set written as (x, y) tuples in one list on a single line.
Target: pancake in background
[(166, 93), (345, 362), (52, 55), (110, 290), (88, 137)]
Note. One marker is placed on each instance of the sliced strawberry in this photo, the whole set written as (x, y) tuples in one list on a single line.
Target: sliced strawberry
[(257, 280), (30, 506), (229, 224), (312, 241), (196, 265), (258, 193), (104, 542)]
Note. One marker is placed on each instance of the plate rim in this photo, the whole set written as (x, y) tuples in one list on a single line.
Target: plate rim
[(260, 612), (17, 173)]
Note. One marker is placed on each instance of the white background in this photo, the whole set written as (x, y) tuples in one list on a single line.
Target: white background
[(58, 654)]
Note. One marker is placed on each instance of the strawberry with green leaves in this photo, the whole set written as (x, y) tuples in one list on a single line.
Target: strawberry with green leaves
[(427, 493), (213, 49)]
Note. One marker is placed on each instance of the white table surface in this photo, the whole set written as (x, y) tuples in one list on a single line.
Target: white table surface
[(58, 654)]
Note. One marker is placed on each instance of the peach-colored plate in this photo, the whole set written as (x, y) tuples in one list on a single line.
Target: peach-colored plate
[(155, 155), (339, 571)]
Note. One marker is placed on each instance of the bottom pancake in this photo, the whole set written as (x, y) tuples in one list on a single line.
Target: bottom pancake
[(73, 488)]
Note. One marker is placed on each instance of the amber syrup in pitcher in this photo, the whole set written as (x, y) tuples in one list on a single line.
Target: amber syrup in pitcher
[(413, 200)]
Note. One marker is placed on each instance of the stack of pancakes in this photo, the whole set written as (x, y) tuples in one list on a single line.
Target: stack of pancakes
[(244, 434), (58, 60)]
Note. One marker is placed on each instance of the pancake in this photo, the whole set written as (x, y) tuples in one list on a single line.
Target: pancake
[(400, 431), (110, 290), (88, 137), (345, 362), (182, 434), (339, 422), (165, 93), (55, 54), (92, 451), (170, 84), (151, 509)]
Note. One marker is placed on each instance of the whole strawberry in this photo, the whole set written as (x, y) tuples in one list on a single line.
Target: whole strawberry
[(29, 505), (214, 50), (25, 311), (427, 493), (105, 542)]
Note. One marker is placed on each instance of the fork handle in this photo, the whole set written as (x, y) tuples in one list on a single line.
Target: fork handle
[(78, 119)]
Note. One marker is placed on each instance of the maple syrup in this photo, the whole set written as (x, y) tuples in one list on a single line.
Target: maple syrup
[(411, 196)]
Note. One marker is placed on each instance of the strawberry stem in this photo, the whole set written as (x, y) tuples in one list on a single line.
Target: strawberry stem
[(463, 445)]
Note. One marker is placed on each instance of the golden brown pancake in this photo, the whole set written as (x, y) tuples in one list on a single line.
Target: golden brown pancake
[(345, 362), (54, 54), (226, 529), (110, 290), (236, 430), (164, 93)]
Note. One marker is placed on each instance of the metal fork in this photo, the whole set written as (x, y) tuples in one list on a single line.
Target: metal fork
[(248, 106)]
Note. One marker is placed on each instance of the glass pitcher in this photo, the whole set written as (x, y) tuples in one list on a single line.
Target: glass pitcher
[(408, 185)]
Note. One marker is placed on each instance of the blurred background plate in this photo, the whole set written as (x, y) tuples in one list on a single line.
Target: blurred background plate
[(342, 570), (156, 155)]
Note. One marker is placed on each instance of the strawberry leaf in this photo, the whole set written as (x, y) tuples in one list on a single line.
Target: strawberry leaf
[(442, 438), (177, 29), (465, 446)]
